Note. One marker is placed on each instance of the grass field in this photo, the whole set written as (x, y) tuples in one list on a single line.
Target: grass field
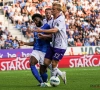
[(77, 79)]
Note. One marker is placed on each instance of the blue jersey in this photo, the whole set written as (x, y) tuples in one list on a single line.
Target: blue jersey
[(41, 44)]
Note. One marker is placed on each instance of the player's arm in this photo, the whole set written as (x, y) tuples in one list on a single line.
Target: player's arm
[(27, 43), (53, 30), (57, 27), (44, 36)]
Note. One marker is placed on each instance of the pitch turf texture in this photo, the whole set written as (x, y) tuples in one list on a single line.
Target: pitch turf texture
[(77, 79)]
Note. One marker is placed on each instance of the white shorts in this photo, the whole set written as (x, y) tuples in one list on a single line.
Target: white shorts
[(39, 56)]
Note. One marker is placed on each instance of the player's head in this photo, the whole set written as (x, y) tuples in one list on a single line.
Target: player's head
[(48, 12), (56, 8), (37, 18)]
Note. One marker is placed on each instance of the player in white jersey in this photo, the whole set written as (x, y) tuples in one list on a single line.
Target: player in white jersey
[(48, 17), (58, 47)]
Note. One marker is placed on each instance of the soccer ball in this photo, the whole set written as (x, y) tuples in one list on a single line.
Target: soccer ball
[(54, 81)]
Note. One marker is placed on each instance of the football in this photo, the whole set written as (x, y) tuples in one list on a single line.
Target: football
[(54, 81)]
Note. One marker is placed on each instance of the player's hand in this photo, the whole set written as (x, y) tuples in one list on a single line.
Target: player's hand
[(21, 43), (38, 30), (40, 35)]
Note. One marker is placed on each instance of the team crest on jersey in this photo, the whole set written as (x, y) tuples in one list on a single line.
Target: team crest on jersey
[(57, 24)]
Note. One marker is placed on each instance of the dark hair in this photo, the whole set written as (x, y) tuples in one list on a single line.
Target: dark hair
[(37, 15), (48, 9)]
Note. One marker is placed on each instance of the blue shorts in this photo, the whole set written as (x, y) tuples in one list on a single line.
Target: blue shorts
[(55, 53)]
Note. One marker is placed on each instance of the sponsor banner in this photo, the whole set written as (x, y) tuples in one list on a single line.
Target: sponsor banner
[(11, 53), (80, 61), (15, 64), (67, 62), (70, 51), (82, 50)]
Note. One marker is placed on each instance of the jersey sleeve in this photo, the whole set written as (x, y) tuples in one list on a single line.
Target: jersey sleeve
[(45, 26)]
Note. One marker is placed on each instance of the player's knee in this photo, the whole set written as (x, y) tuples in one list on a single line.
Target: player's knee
[(47, 62), (33, 61)]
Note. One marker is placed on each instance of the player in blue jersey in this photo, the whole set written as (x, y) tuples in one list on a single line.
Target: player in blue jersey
[(39, 49)]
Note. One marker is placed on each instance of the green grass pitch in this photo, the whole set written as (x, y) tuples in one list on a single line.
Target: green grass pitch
[(77, 79)]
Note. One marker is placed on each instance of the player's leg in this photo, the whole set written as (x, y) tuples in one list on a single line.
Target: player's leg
[(43, 68), (33, 61), (44, 76), (43, 71), (50, 68), (58, 55), (47, 60), (56, 71)]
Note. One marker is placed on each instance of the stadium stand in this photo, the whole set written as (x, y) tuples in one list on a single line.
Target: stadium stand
[(82, 19)]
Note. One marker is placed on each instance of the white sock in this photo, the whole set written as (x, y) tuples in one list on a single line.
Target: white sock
[(59, 72), (54, 71)]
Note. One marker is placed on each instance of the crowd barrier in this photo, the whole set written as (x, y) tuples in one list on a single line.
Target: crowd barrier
[(18, 59)]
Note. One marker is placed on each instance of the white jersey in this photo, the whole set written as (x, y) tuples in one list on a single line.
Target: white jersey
[(59, 38), (48, 21)]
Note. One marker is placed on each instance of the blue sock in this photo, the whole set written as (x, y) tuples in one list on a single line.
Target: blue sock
[(44, 77), (35, 73)]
